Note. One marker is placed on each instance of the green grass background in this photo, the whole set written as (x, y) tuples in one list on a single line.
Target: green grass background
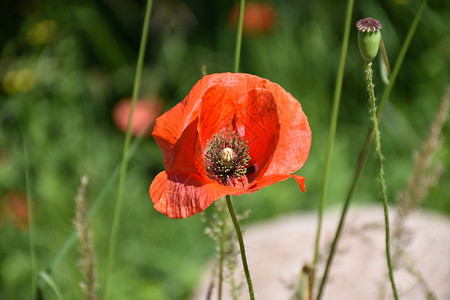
[(88, 66)]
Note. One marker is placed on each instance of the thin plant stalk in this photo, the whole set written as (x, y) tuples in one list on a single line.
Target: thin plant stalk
[(237, 53), (358, 171), (30, 219), (237, 56), (332, 134), (241, 246), (373, 116), (385, 59), (222, 250), (72, 239), (52, 284), (365, 150), (123, 171), (401, 56)]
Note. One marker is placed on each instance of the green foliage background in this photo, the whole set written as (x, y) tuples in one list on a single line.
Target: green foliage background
[(71, 75)]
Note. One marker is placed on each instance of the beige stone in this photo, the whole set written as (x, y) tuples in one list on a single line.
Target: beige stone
[(277, 249)]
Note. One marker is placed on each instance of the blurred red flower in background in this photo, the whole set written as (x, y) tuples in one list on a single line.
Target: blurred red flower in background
[(259, 17), (14, 208), (144, 115), (232, 134)]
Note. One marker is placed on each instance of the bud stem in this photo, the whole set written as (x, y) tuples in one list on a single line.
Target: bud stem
[(373, 116)]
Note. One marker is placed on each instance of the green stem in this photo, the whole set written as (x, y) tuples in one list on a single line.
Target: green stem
[(241, 246), (52, 284), (401, 56), (72, 239), (364, 152), (359, 168), (30, 219), (222, 249), (237, 56), (385, 59), (331, 137), (123, 171), (237, 53), (373, 116)]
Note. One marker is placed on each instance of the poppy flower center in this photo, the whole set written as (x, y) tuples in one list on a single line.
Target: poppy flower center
[(226, 157)]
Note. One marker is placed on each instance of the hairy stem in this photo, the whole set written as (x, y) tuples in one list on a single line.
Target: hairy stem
[(373, 116), (241, 246), (123, 171), (368, 142)]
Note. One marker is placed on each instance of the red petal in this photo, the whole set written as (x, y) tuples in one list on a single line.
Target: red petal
[(258, 121), (216, 113), (171, 125), (271, 179), (182, 194), (301, 181), (295, 134), (184, 150)]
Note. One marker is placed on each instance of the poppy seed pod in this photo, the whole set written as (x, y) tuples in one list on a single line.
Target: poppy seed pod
[(369, 37)]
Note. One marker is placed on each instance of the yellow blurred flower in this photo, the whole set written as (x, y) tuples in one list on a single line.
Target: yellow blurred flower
[(18, 81), (42, 32)]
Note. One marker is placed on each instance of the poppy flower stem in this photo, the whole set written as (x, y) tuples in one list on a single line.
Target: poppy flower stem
[(241, 246), (365, 150), (123, 170), (373, 116), (222, 250)]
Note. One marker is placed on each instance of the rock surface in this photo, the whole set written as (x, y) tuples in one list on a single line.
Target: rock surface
[(277, 250)]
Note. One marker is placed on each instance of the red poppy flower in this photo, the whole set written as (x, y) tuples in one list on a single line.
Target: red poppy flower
[(144, 115), (15, 209), (233, 134), (259, 17)]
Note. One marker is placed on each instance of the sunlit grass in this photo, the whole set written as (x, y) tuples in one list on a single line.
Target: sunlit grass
[(65, 114)]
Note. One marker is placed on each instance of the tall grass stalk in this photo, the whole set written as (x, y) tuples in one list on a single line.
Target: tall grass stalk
[(241, 246), (365, 150), (72, 239), (30, 219), (88, 260), (401, 56), (237, 53), (237, 56), (332, 134), (373, 116), (51, 283), (98, 202), (123, 171), (223, 232)]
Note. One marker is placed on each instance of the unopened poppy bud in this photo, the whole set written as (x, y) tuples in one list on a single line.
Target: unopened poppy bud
[(369, 37)]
